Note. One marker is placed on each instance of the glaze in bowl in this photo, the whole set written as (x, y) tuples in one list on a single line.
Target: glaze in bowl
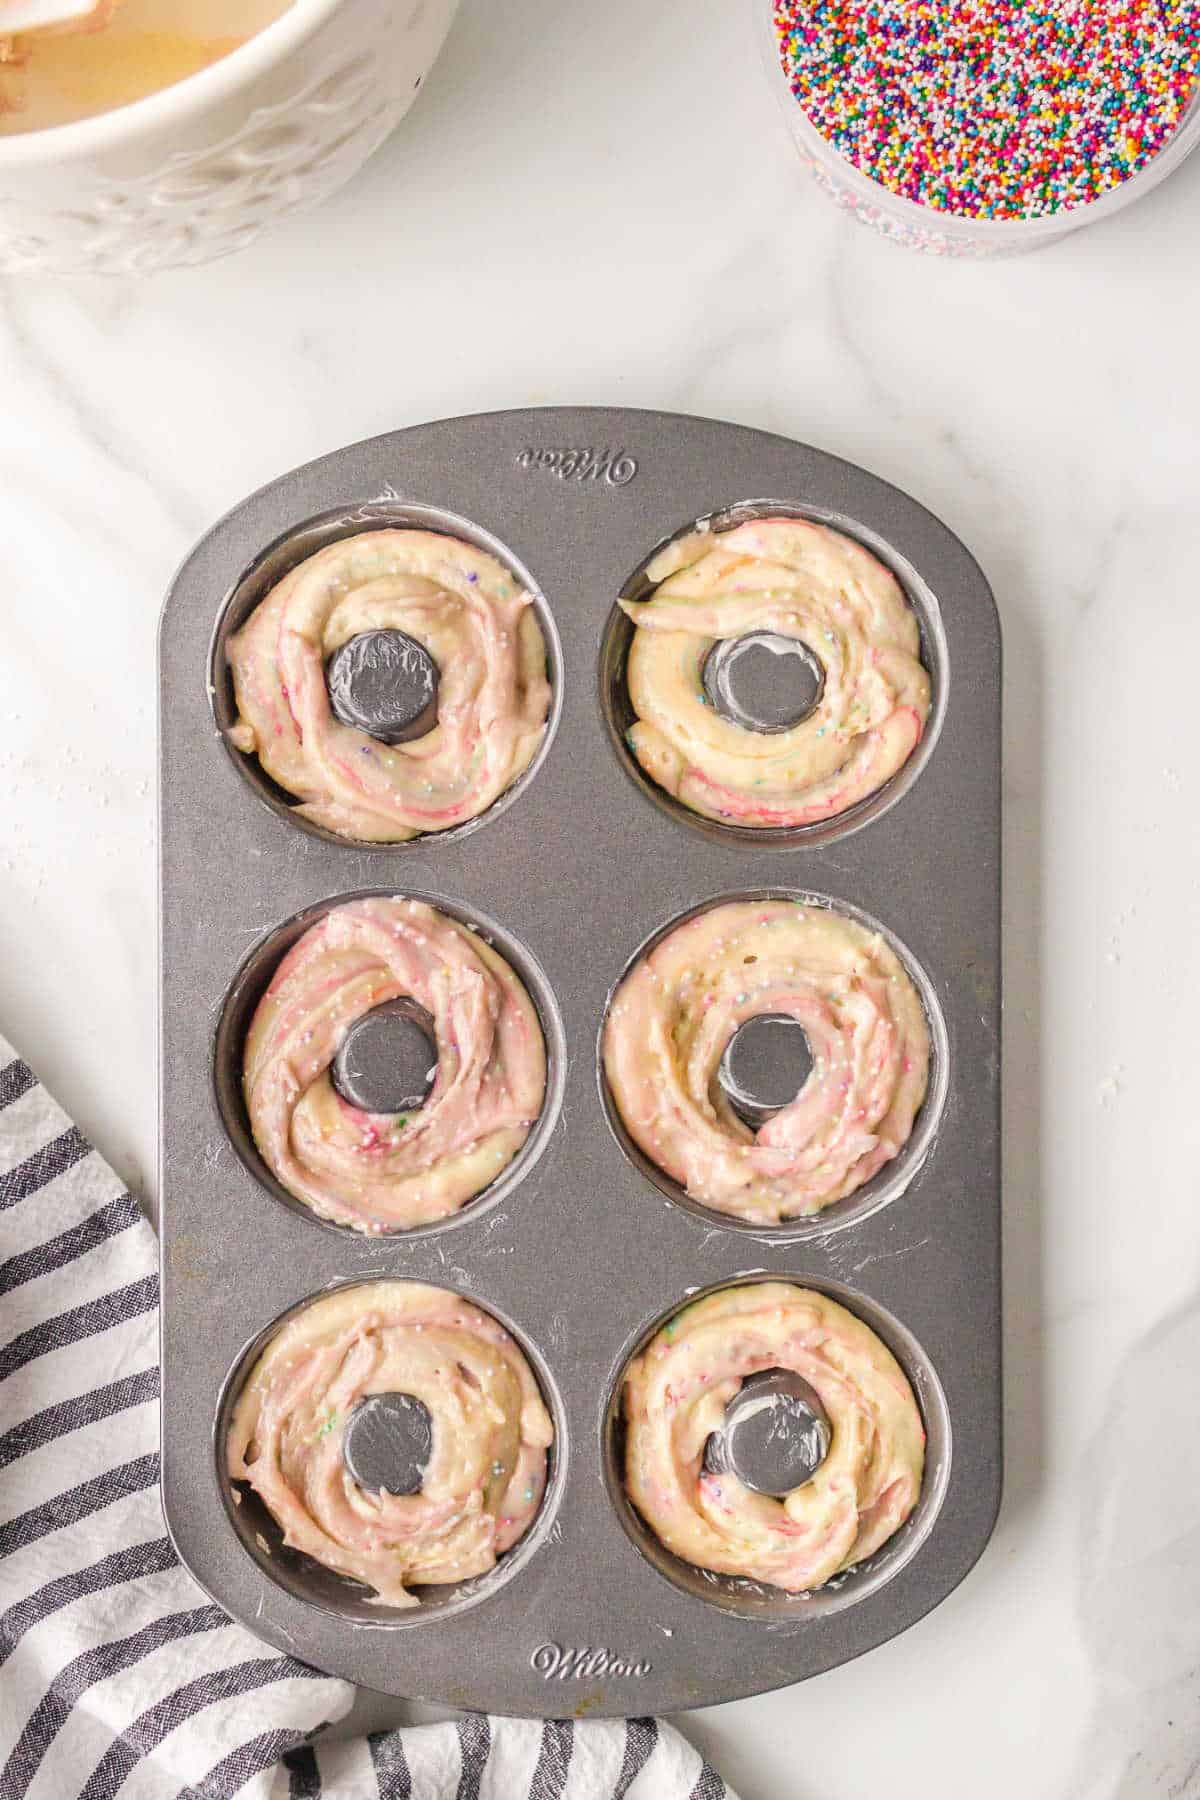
[(198, 169)]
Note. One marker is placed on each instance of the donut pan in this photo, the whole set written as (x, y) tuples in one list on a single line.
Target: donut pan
[(581, 1248)]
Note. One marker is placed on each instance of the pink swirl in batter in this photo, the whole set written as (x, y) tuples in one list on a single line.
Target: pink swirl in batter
[(797, 580), (675, 1395), (491, 1433), (385, 1171), (676, 1010), (493, 699)]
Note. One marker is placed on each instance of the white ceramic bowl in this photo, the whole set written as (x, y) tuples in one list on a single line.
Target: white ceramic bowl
[(198, 169), (940, 233)]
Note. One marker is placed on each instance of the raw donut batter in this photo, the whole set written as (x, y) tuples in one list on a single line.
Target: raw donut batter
[(387, 1171), (676, 1010), (480, 629), (799, 580), (491, 1432), (675, 1394)]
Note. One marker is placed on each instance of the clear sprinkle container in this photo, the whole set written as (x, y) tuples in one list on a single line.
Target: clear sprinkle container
[(945, 233)]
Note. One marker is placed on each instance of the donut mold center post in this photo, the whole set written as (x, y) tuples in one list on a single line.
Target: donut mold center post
[(386, 684), (388, 1059), (763, 681), (764, 1066), (775, 1434), (581, 1252), (388, 1442)]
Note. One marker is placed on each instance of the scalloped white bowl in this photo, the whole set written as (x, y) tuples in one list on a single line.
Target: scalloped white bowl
[(198, 169)]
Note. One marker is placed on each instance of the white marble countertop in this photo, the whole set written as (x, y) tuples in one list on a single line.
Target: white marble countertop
[(600, 205)]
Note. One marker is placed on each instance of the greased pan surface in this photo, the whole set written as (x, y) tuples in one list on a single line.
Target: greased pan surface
[(578, 1250)]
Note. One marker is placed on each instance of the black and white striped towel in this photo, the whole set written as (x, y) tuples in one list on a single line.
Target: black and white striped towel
[(117, 1675)]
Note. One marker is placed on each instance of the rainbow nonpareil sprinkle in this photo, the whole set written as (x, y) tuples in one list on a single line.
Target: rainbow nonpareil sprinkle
[(993, 109)]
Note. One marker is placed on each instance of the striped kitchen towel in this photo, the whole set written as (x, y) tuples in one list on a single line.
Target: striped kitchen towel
[(117, 1675)]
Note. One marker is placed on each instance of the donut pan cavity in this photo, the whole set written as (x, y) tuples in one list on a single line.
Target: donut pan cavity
[(576, 1248), (254, 976)]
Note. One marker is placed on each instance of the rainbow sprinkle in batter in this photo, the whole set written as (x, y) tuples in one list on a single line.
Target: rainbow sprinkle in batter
[(993, 109)]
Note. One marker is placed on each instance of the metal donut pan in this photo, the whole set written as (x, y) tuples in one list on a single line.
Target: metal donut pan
[(581, 1252)]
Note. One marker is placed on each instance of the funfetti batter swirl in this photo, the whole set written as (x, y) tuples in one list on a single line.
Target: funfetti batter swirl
[(799, 580), (385, 1171), (675, 1396), (479, 627), (491, 1432), (676, 1010)]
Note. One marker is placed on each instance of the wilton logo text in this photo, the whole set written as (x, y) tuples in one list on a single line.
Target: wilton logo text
[(555, 1662), (616, 468)]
